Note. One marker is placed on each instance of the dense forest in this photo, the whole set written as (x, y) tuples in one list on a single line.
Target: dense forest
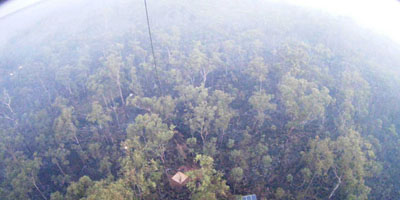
[(246, 97)]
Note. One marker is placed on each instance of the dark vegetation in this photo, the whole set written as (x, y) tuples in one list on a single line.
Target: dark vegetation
[(259, 98)]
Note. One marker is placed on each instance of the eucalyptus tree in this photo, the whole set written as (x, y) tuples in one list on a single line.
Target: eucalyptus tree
[(145, 146), (211, 183)]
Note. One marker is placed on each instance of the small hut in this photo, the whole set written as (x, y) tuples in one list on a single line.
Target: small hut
[(180, 178)]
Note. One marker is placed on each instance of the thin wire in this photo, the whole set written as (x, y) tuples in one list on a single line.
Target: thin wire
[(152, 47)]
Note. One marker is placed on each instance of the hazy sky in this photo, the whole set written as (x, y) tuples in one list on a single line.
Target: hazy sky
[(382, 16)]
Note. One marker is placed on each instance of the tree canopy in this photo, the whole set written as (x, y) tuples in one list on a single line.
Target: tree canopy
[(278, 103)]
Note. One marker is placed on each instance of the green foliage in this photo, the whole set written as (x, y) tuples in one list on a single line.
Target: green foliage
[(237, 174), (163, 106), (98, 115), (289, 178), (346, 159), (21, 177), (118, 190), (56, 196), (280, 193), (78, 190), (64, 126), (206, 182), (230, 143), (304, 101), (258, 70), (261, 102), (145, 147), (150, 129)]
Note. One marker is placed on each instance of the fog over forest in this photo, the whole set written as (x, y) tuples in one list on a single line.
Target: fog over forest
[(241, 97)]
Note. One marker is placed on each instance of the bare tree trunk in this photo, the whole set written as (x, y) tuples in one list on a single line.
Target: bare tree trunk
[(77, 141), (162, 156), (37, 188), (114, 107), (69, 89), (7, 102), (105, 100), (308, 186), (120, 92), (204, 74), (337, 185), (45, 89), (202, 136), (61, 170), (169, 56), (9, 118), (221, 138)]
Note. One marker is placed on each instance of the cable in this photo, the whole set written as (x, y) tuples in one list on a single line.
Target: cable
[(152, 48)]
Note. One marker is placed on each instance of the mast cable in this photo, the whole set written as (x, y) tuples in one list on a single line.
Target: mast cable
[(152, 48)]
